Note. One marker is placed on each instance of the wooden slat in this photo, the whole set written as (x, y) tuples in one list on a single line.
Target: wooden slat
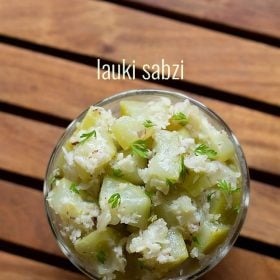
[(211, 58), (18, 206), (41, 83), (15, 268), (255, 15), (241, 264), (27, 227), (262, 222), (28, 145), (20, 223)]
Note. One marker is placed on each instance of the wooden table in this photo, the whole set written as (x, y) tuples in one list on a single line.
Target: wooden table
[(48, 56)]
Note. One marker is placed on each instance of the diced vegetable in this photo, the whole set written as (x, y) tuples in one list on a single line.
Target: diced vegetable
[(126, 166), (204, 174), (66, 200), (178, 247), (128, 130), (177, 250), (226, 204), (160, 247), (96, 117), (179, 211), (133, 207), (210, 236), (155, 111), (103, 251), (92, 156), (216, 139), (164, 168)]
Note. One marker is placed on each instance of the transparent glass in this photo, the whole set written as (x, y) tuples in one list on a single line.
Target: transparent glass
[(112, 103)]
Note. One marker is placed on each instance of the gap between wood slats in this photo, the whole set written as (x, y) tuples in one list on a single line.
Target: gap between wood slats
[(184, 85), (37, 255), (205, 23)]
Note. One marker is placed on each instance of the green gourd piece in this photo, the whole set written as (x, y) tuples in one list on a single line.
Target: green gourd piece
[(127, 130), (101, 250), (210, 236), (127, 203)]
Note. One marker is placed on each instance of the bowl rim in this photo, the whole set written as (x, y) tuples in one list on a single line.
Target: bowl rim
[(236, 228)]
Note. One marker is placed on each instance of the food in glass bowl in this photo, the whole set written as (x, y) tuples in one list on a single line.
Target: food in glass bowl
[(154, 188)]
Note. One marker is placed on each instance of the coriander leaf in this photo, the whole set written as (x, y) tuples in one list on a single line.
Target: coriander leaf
[(52, 180), (235, 190), (73, 188), (86, 136), (170, 182), (236, 209), (209, 196), (226, 186), (180, 117), (139, 148), (57, 175), (203, 149), (195, 240), (149, 194), (117, 172), (101, 256), (215, 222), (115, 200), (183, 169), (148, 123)]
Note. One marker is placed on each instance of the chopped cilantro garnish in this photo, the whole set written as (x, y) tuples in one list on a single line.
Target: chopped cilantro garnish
[(226, 186), (195, 240), (115, 200), (236, 209), (148, 123), (53, 180), (209, 196), (117, 172), (101, 256), (170, 182), (203, 149), (73, 188), (139, 148), (149, 194), (180, 117), (86, 136), (57, 174)]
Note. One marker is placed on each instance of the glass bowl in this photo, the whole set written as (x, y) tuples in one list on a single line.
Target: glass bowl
[(112, 103)]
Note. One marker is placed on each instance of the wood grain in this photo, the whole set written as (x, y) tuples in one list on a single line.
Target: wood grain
[(262, 222), (15, 268), (23, 225), (27, 227), (101, 29), (241, 264), (256, 15), (40, 82), (28, 145)]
